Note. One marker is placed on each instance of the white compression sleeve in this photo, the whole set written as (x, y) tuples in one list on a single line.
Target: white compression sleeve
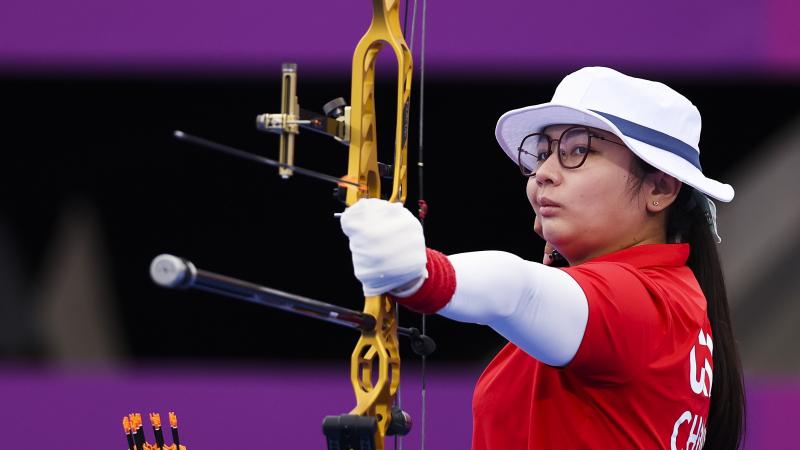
[(541, 309)]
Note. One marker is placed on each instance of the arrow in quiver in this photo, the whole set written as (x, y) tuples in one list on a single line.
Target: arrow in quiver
[(134, 432)]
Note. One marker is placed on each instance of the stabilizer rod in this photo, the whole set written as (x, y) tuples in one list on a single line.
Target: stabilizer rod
[(170, 271)]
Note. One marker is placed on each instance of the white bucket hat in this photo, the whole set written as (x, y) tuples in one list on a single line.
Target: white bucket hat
[(659, 125)]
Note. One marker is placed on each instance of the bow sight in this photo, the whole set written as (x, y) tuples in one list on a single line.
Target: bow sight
[(287, 123)]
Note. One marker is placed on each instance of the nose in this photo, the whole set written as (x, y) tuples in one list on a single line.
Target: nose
[(549, 171)]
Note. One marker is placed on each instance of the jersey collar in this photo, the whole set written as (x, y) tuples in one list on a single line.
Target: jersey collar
[(649, 255)]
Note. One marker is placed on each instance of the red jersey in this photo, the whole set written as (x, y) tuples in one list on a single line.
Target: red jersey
[(640, 379)]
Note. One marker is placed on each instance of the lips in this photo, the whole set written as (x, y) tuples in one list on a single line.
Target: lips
[(544, 201), (547, 207)]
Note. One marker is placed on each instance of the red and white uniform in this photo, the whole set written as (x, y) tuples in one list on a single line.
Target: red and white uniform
[(642, 369)]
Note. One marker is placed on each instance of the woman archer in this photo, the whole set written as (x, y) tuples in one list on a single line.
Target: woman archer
[(630, 346)]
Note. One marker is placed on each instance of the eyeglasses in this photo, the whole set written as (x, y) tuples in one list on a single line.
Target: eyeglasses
[(574, 145)]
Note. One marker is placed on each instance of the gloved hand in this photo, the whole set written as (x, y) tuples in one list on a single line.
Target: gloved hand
[(388, 247)]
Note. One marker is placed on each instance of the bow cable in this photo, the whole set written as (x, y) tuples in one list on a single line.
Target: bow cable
[(422, 204)]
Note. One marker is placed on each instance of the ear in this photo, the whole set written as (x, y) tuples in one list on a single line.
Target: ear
[(660, 190)]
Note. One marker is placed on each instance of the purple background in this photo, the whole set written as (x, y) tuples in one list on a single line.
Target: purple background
[(271, 407), (217, 409), (259, 408), (515, 37)]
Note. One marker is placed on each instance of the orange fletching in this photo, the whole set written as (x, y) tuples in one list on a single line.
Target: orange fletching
[(155, 420)]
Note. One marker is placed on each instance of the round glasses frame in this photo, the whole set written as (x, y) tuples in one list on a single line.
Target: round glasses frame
[(561, 154)]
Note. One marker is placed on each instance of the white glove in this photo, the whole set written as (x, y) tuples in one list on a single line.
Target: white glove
[(388, 247)]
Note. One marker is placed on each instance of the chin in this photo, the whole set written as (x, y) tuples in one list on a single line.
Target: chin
[(557, 236)]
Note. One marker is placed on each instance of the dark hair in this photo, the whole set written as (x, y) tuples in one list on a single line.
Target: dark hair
[(687, 222)]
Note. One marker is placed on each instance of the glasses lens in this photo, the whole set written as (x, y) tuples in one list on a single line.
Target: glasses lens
[(574, 147), (532, 153)]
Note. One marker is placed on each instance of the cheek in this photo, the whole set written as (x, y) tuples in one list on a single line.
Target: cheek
[(603, 199), (530, 190)]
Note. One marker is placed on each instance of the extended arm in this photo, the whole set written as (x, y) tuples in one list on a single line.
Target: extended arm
[(539, 308)]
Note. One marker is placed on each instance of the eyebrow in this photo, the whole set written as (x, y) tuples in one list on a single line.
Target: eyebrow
[(592, 129), (609, 140)]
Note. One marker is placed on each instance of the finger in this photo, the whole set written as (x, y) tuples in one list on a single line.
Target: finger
[(547, 258), (361, 214)]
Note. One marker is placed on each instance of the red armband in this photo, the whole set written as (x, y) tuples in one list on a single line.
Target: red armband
[(437, 290)]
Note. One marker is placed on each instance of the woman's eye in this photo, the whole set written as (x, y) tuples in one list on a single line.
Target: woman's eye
[(580, 150), (542, 156)]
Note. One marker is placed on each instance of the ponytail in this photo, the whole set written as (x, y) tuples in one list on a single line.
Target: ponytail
[(726, 416)]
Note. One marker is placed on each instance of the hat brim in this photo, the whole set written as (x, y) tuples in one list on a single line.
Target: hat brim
[(516, 124)]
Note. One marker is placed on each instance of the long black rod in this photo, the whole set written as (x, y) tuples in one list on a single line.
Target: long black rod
[(262, 295), (173, 272), (202, 142)]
